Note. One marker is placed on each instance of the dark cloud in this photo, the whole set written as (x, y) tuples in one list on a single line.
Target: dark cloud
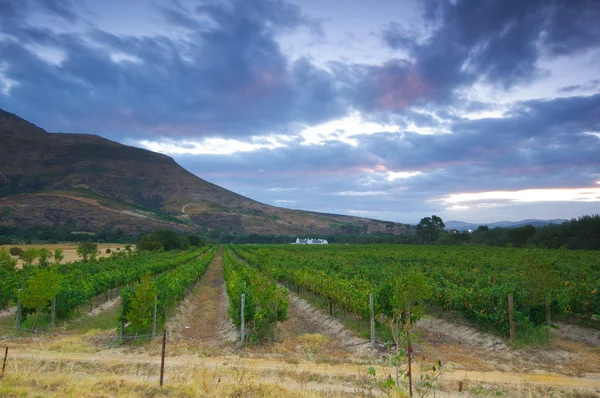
[(227, 76), (497, 41)]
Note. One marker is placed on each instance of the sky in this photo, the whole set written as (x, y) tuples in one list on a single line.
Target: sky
[(473, 110)]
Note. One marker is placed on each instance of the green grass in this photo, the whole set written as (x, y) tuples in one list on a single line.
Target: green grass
[(106, 320)]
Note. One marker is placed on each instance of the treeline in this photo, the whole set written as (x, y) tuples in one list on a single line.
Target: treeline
[(582, 233), (27, 235)]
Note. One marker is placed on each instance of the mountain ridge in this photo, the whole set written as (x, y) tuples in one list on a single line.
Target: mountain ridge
[(86, 182), (463, 226)]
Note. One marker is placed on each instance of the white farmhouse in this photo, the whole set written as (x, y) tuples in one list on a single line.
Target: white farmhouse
[(310, 241)]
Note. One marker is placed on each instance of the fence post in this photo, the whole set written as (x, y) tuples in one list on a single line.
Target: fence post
[(122, 331), (53, 314), (162, 359), (4, 364), (19, 310), (330, 306), (154, 317), (372, 305), (242, 316), (511, 318)]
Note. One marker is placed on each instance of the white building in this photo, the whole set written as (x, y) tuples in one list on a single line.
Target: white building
[(310, 241)]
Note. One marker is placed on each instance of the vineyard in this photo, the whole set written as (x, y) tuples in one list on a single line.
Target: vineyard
[(305, 311), (72, 285), (474, 281)]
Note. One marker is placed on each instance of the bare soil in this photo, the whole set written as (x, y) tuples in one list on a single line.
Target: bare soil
[(202, 317)]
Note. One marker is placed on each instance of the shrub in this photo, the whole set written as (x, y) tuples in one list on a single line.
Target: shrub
[(16, 251), (108, 251)]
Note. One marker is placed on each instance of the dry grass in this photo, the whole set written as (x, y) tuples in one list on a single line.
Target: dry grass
[(56, 379)]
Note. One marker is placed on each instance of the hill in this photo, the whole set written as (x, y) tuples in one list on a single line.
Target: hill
[(463, 226), (88, 183)]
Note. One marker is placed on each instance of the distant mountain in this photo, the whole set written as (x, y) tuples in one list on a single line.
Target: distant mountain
[(464, 226), (88, 183)]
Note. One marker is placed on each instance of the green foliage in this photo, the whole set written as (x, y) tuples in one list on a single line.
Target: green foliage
[(42, 287), (58, 256), (142, 304), (473, 280), (16, 251), (87, 251), (163, 239), (265, 302), (170, 288), (29, 256), (429, 229), (44, 257), (6, 261), (411, 289)]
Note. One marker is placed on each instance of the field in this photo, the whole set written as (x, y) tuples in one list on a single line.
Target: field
[(307, 324), (69, 250)]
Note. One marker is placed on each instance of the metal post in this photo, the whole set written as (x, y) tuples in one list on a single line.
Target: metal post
[(154, 317), (511, 318), (53, 313), (4, 364), (162, 360), (410, 389), (372, 305), (242, 317)]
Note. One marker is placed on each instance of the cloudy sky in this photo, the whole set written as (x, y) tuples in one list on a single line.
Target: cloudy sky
[(473, 110)]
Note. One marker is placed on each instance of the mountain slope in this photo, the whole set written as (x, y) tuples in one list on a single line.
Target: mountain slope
[(89, 183)]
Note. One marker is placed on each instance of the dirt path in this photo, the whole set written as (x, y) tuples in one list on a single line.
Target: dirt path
[(203, 315), (590, 382), (305, 320)]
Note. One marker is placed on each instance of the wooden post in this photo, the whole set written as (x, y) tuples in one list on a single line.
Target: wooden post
[(122, 331), (162, 360), (511, 318), (19, 310), (410, 391), (154, 317), (372, 305), (242, 318), (298, 289), (4, 364), (53, 314), (548, 309)]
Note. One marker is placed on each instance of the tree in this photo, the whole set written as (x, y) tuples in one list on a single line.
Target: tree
[(41, 288), (87, 251), (6, 261), (58, 256), (429, 228), (29, 256), (44, 257), (520, 236)]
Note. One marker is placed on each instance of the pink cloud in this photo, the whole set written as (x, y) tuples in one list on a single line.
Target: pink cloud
[(399, 88)]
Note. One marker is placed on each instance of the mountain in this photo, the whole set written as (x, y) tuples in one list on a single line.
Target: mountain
[(464, 226), (87, 183)]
